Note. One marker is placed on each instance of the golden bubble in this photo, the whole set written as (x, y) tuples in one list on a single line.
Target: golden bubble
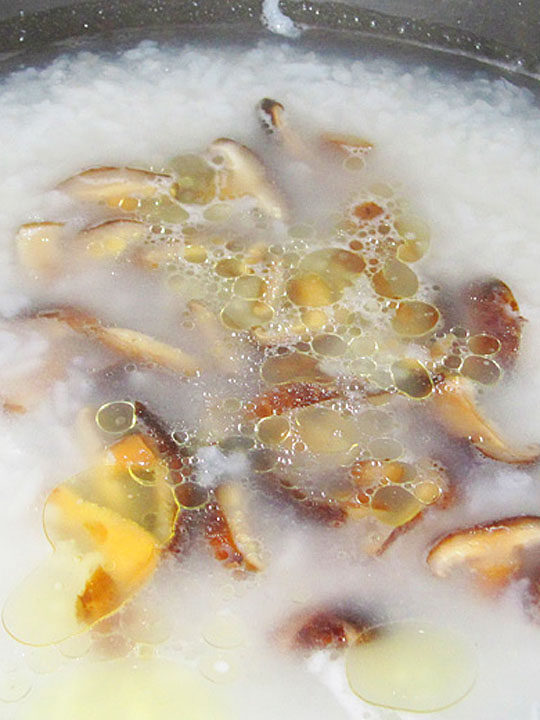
[(314, 319), (415, 234), (242, 314), (218, 212), (414, 318), (396, 280), (363, 346), (230, 267), (195, 254), (483, 344), (190, 495), (427, 492), (325, 430), (414, 667), (481, 370), (412, 378), (329, 345), (393, 505), (116, 417), (339, 268), (273, 429), (311, 290), (250, 287), (385, 448)]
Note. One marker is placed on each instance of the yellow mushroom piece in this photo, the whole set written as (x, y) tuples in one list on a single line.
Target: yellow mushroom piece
[(112, 238), (211, 330), (243, 173), (454, 405), (112, 185), (39, 247), (493, 552), (130, 343), (107, 530), (233, 502), (272, 114)]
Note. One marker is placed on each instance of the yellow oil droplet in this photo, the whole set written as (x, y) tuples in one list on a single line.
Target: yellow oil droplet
[(329, 345), (385, 448), (218, 212), (142, 689), (427, 492), (393, 505), (396, 280), (311, 290), (339, 268), (242, 314), (195, 254), (293, 366), (230, 267), (375, 422), (363, 346), (484, 344), (116, 417), (77, 646), (15, 684), (224, 631), (415, 234), (190, 495), (128, 204), (250, 287), (326, 431), (195, 179), (412, 666), (412, 379), (363, 367), (415, 319), (480, 369), (314, 319), (273, 429)]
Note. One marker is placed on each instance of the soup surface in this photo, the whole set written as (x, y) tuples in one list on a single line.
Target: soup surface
[(269, 395)]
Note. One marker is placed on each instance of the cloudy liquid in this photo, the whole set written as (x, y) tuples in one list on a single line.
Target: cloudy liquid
[(460, 155)]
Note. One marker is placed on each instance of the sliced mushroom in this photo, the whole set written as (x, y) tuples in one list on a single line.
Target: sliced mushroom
[(494, 552), (455, 408), (324, 629), (491, 308), (347, 144), (292, 395), (39, 247), (222, 540), (112, 185), (318, 507), (211, 330), (132, 344), (233, 502), (244, 174), (112, 238), (272, 115)]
